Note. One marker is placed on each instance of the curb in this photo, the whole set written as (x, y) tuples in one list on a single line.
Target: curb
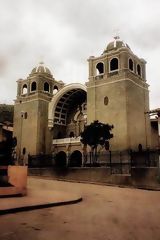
[(40, 206), (98, 183)]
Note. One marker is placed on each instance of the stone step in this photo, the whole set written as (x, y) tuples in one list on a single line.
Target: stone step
[(11, 191)]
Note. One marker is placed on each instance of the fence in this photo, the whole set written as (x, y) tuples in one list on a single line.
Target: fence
[(148, 158), (40, 161), (118, 162)]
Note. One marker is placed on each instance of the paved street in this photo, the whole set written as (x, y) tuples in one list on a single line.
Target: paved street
[(106, 213)]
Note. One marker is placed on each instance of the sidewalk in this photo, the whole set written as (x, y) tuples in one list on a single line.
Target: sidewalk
[(37, 199)]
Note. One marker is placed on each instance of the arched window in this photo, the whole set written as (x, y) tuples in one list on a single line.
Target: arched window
[(24, 89), (114, 64), (138, 69), (71, 135), (100, 68), (130, 64), (55, 90), (24, 151), (46, 87), (59, 135), (33, 86)]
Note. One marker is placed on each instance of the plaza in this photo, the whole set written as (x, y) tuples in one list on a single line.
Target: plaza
[(106, 212)]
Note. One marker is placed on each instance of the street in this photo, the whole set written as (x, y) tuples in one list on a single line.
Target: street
[(106, 213)]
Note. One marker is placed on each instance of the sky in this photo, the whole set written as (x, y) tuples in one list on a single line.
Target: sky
[(64, 33)]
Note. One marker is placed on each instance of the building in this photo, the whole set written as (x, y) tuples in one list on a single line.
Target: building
[(6, 122), (49, 115)]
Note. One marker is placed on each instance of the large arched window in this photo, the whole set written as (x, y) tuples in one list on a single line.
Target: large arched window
[(100, 68), (130, 63), (33, 86), (46, 87), (138, 69), (24, 89), (114, 64)]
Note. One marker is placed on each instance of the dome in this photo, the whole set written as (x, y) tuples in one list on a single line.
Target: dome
[(116, 44), (41, 68)]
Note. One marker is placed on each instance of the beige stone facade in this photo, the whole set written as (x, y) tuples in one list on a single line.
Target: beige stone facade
[(118, 75), (31, 111), (49, 115)]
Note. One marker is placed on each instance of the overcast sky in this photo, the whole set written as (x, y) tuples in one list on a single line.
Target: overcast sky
[(64, 33)]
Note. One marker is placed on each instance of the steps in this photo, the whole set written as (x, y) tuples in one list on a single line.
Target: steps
[(7, 188), (10, 192)]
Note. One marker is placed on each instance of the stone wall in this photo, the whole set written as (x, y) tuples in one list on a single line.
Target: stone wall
[(140, 177)]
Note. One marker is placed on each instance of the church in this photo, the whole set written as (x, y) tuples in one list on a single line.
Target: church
[(50, 115)]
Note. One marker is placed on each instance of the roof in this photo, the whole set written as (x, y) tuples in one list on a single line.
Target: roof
[(115, 44), (41, 69)]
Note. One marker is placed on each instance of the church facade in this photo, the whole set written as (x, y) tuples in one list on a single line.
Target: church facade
[(49, 115)]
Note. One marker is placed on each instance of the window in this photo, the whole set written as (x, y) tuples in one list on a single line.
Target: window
[(24, 89), (23, 114), (71, 135), (114, 64), (85, 107), (138, 69), (33, 86), (46, 87), (106, 100), (55, 90), (24, 151), (100, 68), (59, 135), (131, 64)]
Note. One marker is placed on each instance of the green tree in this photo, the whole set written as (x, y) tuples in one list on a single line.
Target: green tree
[(95, 134)]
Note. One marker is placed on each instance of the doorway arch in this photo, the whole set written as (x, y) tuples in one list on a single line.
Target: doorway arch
[(61, 159), (75, 159)]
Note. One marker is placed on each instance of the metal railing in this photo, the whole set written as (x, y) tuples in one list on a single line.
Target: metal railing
[(119, 162), (66, 140)]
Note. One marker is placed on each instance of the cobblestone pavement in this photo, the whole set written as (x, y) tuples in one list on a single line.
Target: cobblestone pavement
[(106, 213)]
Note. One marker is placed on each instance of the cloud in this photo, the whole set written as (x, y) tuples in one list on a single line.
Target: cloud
[(64, 33)]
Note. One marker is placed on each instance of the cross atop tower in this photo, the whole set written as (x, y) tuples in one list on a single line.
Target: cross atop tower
[(116, 34)]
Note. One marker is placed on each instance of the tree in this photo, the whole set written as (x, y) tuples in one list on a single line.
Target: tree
[(95, 134)]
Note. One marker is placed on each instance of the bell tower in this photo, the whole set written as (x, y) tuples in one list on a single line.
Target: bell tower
[(117, 93), (31, 110)]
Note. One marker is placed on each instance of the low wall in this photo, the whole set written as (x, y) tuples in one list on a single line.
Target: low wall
[(13, 181), (17, 176), (145, 176), (140, 177)]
